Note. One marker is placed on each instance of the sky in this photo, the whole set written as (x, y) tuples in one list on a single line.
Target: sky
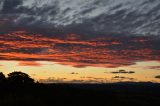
[(81, 41)]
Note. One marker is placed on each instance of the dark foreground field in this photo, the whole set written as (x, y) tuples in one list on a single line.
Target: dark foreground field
[(80, 94)]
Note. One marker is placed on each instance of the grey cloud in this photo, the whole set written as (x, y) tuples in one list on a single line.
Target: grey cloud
[(123, 72), (122, 78), (158, 76), (74, 73), (9, 6), (87, 17)]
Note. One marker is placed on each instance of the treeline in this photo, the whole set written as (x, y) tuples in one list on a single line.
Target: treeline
[(16, 78)]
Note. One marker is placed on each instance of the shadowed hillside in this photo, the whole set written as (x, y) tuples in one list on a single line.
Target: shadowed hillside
[(19, 89)]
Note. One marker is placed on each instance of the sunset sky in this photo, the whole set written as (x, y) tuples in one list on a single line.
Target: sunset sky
[(81, 41)]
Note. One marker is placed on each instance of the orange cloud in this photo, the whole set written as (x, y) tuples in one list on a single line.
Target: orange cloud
[(29, 63), (76, 51)]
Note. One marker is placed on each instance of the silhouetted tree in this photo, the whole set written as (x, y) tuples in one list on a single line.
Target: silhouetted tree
[(2, 78), (19, 78)]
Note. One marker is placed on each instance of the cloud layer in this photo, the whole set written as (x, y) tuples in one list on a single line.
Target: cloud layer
[(85, 17), (80, 33), (78, 51)]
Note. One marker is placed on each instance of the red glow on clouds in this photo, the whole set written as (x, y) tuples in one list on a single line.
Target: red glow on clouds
[(77, 52), (29, 63)]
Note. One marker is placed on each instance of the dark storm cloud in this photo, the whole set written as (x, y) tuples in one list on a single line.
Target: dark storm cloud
[(9, 6), (18, 16), (83, 17)]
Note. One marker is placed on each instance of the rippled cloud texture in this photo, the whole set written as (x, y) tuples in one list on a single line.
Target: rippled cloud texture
[(77, 51), (80, 33), (85, 17)]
